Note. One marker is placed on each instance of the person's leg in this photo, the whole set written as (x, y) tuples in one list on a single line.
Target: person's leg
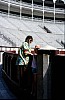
[(21, 75), (34, 85), (34, 77), (29, 74)]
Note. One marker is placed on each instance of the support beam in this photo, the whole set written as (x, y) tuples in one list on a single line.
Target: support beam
[(32, 10), (8, 8)]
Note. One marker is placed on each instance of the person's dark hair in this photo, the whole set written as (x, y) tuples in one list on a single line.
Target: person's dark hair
[(28, 37)]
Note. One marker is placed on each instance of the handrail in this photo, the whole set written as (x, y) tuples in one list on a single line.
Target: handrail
[(29, 18), (7, 39), (60, 43), (35, 6), (9, 49)]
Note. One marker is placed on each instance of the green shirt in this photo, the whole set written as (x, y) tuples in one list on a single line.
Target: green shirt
[(25, 58)]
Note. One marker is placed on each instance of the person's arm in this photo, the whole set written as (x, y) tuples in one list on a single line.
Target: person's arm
[(22, 57), (27, 50)]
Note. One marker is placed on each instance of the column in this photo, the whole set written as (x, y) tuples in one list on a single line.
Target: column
[(54, 9), (32, 10), (43, 11), (20, 9), (8, 8)]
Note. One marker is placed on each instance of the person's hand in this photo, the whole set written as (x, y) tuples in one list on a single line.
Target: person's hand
[(27, 52), (37, 46), (35, 54), (30, 53)]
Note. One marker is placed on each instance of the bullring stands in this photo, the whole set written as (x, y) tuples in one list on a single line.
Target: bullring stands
[(16, 30)]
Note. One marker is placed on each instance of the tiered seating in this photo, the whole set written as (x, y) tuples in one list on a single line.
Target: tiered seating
[(34, 26), (6, 24), (16, 30), (18, 24), (53, 28), (4, 43), (61, 27)]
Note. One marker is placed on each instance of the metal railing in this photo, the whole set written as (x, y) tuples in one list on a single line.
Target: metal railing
[(8, 40), (7, 48), (35, 6)]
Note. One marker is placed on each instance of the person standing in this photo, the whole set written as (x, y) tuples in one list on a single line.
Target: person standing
[(23, 61), (34, 71)]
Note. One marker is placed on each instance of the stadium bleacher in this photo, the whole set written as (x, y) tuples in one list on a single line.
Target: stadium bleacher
[(19, 19), (16, 30), (26, 7)]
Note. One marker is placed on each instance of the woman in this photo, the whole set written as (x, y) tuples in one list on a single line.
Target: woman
[(23, 60), (24, 50)]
